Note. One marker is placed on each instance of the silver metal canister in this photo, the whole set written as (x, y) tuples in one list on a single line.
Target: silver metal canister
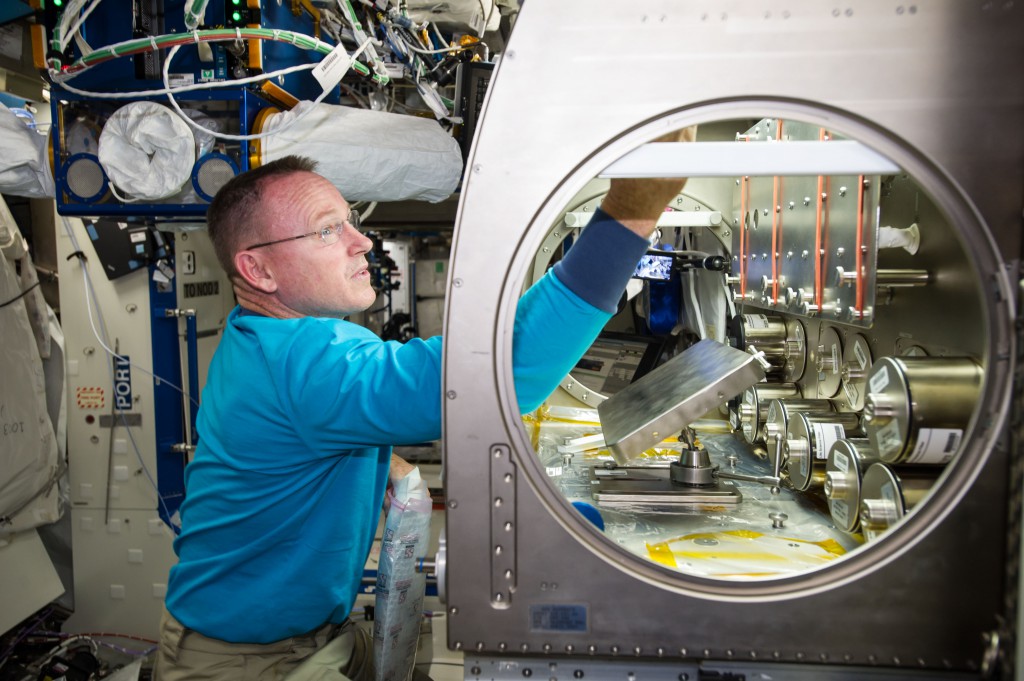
[(808, 440), (918, 407), (887, 495), (844, 468), (777, 420), (753, 407)]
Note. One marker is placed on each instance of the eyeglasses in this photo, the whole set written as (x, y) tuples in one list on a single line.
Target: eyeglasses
[(328, 235)]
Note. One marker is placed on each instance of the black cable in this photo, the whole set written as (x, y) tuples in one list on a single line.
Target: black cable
[(20, 295)]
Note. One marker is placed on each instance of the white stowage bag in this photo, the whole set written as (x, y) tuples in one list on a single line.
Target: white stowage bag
[(147, 151), (369, 155), (29, 463), (24, 167), (398, 607)]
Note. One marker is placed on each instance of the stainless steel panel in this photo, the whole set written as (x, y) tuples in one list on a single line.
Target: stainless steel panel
[(872, 71), (675, 395)]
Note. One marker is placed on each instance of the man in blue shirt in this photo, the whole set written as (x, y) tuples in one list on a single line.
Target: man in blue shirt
[(301, 409)]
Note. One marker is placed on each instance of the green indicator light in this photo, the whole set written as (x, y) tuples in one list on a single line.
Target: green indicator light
[(58, 3), (237, 16), (236, 2)]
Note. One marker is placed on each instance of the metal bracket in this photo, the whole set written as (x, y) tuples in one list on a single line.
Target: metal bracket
[(503, 530)]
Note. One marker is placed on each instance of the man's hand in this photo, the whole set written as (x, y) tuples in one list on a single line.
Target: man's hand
[(638, 203), (399, 469)]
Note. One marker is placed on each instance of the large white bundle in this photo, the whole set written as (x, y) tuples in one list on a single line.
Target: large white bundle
[(370, 155), (147, 150)]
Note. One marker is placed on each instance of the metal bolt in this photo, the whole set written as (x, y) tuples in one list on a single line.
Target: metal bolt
[(456, 283), (778, 519), (842, 191), (451, 395), (807, 200)]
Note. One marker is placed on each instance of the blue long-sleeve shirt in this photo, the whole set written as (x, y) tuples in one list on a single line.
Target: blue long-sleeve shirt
[(296, 426)]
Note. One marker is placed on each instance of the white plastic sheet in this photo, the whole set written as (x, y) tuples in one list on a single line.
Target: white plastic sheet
[(24, 164), (369, 155), (29, 465), (147, 151), (400, 589)]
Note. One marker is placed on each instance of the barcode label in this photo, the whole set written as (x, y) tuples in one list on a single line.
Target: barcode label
[(936, 445), (825, 435), (755, 321), (860, 354), (332, 67)]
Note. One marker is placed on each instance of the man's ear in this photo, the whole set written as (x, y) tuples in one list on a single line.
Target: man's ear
[(256, 271)]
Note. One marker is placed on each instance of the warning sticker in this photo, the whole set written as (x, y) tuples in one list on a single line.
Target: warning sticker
[(90, 398), (936, 445)]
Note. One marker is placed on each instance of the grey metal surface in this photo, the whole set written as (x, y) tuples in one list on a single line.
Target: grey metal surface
[(883, 77), (652, 488), (675, 395)]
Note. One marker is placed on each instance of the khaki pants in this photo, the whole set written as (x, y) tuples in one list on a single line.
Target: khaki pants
[(334, 652)]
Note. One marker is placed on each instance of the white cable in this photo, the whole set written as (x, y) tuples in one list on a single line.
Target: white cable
[(122, 199), (364, 214), (70, 12), (60, 77), (66, 37), (211, 85), (443, 49), (241, 138), (89, 293)]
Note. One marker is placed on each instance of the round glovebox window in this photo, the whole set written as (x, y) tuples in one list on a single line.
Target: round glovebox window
[(780, 399)]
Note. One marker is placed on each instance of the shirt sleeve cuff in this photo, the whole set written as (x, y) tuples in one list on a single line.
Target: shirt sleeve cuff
[(599, 264)]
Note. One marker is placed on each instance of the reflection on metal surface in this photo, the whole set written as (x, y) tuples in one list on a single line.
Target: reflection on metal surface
[(854, 372), (674, 395), (918, 407), (887, 495), (829, 363)]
